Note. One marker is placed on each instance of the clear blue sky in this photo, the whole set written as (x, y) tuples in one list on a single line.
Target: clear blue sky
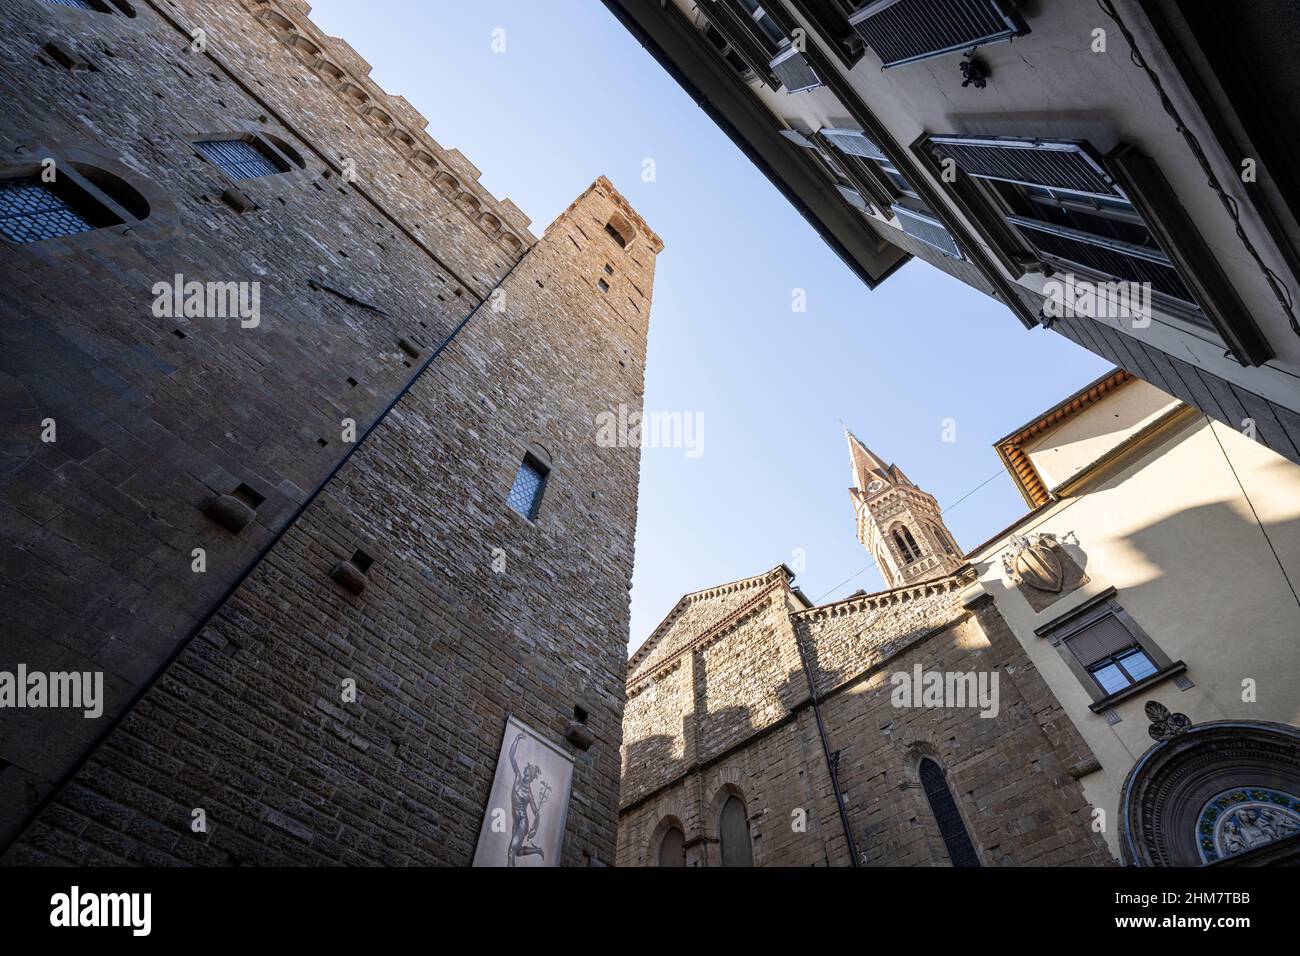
[(574, 96)]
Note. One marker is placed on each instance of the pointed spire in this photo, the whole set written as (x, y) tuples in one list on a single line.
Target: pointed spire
[(862, 463)]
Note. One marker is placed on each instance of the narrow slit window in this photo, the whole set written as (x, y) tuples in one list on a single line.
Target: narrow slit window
[(951, 826)]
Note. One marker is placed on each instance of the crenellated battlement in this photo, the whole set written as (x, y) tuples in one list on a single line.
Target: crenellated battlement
[(347, 73)]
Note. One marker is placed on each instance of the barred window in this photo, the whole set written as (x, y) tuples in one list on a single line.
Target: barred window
[(241, 159), (526, 493), (30, 211), (951, 826), (98, 6)]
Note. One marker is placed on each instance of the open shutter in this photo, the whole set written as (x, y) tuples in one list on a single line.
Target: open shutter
[(901, 31), (1110, 258), (854, 198), (854, 142), (926, 228), (794, 71), (1064, 166)]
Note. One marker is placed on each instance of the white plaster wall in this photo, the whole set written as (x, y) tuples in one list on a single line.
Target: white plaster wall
[(1184, 547)]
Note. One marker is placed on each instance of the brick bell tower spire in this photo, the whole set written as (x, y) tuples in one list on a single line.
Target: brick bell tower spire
[(897, 522)]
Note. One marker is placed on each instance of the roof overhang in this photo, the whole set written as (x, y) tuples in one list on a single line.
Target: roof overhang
[(680, 49)]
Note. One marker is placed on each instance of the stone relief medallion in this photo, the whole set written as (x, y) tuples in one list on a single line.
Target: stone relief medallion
[(1244, 818), (1039, 567)]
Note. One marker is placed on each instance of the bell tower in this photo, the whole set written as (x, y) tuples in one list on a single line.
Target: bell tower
[(898, 523)]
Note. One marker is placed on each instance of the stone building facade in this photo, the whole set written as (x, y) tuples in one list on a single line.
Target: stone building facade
[(747, 692), (1139, 621), (241, 518)]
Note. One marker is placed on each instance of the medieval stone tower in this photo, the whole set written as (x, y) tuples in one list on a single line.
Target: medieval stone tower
[(897, 522), (321, 553)]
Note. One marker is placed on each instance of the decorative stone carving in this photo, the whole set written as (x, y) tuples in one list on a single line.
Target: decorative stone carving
[(1212, 791), (1239, 820), (1041, 568), (1165, 725)]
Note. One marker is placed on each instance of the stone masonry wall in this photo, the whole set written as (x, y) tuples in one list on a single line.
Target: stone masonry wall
[(248, 723), (1011, 775), (156, 416)]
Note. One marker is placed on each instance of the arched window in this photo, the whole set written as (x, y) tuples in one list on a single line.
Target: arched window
[(672, 848), (242, 157), (906, 544), (960, 849), (81, 198), (944, 540), (733, 834)]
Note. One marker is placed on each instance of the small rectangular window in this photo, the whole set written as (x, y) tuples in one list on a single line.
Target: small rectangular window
[(1106, 649), (526, 493), (240, 159), (1122, 670), (603, 285)]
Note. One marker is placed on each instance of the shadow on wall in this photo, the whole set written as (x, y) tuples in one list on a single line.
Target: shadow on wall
[(1206, 585)]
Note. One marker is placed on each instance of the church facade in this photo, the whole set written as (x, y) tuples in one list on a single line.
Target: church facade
[(1089, 687)]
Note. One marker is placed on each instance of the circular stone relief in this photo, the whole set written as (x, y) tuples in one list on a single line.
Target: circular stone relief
[(1244, 818)]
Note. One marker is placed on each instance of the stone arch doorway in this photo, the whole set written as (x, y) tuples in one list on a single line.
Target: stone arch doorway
[(1220, 792)]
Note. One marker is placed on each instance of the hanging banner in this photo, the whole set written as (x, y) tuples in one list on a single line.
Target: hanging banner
[(526, 810)]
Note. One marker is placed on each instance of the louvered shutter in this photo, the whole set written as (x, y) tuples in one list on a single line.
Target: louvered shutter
[(926, 228), (854, 142), (901, 31), (1060, 165), (1101, 639), (794, 71), (1110, 258)]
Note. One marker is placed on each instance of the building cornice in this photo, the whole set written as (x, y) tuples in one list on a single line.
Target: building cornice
[(1010, 448)]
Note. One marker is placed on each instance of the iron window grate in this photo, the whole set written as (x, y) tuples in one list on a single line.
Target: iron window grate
[(854, 142), (1063, 166), (902, 31), (925, 228), (1109, 258), (951, 826), (30, 211), (526, 493), (239, 159)]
